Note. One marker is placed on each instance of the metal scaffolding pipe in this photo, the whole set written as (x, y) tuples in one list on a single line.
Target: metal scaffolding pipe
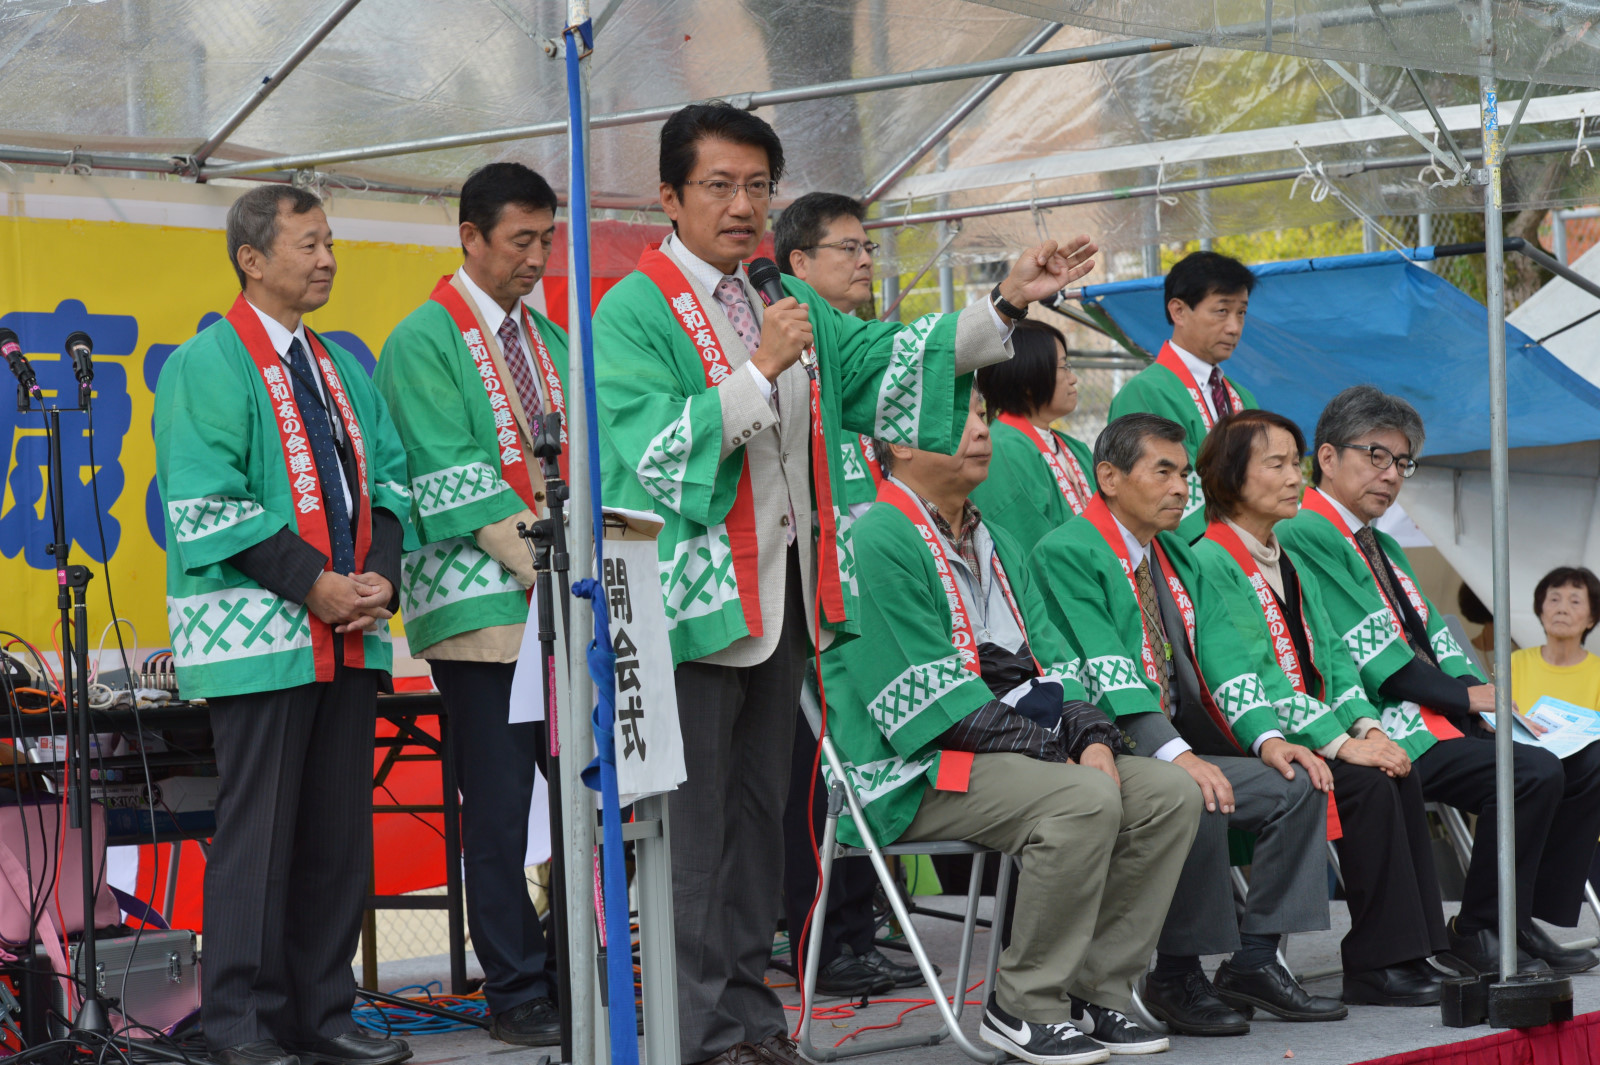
[(957, 115), (271, 82), (1255, 177), (750, 101)]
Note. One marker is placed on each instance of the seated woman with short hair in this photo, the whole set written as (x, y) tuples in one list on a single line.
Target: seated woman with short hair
[(1039, 477), (1567, 600), (1249, 466)]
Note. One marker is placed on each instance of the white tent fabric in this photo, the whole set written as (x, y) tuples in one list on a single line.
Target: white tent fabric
[(154, 79), (1555, 491)]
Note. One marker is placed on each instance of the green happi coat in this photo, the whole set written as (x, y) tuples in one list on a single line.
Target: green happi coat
[(859, 484), (1158, 390), (1361, 618), (1092, 603), (221, 474), (899, 687), (1020, 494), (1335, 683), (451, 585), (661, 436)]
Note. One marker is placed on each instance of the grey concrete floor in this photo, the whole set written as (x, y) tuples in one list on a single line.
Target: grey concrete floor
[(1369, 1032)]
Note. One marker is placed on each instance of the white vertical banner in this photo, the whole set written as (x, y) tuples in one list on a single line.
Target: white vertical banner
[(649, 745)]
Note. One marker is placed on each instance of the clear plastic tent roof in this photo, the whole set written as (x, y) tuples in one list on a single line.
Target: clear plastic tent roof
[(160, 76)]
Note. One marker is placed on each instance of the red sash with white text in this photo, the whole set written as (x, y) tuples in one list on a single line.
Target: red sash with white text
[(1100, 516), (1063, 467), (305, 486), (513, 469), (1282, 642), (869, 455), (954, 766), (1171, 360), (552, 383), (1319, 504)]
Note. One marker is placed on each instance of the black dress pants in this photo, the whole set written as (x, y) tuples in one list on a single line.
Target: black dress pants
[(1557, 822), (494, 763), (849, 904), (1386, 858), (286, 878)]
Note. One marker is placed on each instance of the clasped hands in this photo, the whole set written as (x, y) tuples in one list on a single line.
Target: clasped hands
[(1038, 273), (351, 603)]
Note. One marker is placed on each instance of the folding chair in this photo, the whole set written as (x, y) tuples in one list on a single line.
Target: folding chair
[(841, 796)]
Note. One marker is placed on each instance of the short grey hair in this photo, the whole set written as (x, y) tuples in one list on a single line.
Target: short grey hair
[(1363, 409), (1121, 443), (253, 219)]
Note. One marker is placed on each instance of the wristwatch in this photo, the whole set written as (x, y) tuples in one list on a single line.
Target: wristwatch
[(1001, 304)]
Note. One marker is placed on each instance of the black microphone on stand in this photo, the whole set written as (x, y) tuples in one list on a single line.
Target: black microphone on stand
[(768, 282), (79, 347), (21, 368)]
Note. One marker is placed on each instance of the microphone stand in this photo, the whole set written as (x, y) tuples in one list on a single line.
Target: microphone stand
[(72, 583), (546, 541)]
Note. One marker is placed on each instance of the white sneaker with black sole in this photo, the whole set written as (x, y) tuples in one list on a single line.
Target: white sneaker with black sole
[(1042, 1044), (1114, 1030)]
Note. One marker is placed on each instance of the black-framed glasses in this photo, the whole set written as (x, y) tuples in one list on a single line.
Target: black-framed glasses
[(1383, 458), (850, 246), (721, 189)]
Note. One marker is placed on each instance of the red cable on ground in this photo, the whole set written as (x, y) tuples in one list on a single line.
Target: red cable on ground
[(811, 805), (845, 1011)]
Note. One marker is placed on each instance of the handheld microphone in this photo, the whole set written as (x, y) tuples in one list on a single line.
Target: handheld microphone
[(79, 347), (767, 279), (21, 369)]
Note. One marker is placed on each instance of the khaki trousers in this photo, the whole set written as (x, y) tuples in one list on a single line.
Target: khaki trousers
[(1097, 869)]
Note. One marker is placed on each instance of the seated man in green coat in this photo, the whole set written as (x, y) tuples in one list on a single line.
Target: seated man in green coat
[(1163, 656), (959, 715)]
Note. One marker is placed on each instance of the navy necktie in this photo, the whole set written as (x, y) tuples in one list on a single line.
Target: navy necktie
[(319, 431)]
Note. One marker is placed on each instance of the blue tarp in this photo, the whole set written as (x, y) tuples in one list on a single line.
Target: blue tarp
[(1317, 326)]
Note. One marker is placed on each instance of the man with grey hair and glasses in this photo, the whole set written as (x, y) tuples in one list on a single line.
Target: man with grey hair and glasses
[(286, 513), (1431, 696)]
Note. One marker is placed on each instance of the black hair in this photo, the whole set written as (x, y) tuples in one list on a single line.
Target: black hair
[(1026, 381), (1121, 443), (1199, 274), (1570, 577), (804, 222), (488, 189), (718, 120)]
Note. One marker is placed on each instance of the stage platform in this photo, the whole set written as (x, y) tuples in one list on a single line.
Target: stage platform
[(1368, 1033)]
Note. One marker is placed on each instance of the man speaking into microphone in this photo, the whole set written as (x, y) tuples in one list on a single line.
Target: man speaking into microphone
[(729, 419)]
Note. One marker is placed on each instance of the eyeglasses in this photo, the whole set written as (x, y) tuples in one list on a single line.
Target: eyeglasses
[(1383, 458), (849, 246), (719, 189)]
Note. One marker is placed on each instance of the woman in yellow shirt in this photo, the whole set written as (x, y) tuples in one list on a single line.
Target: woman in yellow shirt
[(1565, 600)]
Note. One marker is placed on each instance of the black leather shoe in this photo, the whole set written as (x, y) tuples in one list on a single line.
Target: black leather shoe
[(1479, 953), (1188, 1005), (534, 1023), (260, 1052), (1566, 960), (1272, 988), (847, 976), (902, 975), (359, 1047), (1410, 983)]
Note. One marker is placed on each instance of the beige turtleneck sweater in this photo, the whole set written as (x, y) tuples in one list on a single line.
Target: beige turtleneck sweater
[(1267, 557)]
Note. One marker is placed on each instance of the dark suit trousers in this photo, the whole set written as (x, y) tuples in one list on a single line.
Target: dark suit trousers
[(1386, 857), (849, 905), (1557, 821), (494, 763), (286, 879), (727, 843)]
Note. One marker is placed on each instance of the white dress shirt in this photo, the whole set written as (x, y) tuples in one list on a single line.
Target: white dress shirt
[(280, 339), (1201, 371), (494, 316), (1353, 523)]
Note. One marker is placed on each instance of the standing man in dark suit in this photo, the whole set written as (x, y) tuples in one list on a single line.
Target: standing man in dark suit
[(468, 376), (286, 513), (819, 239)]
